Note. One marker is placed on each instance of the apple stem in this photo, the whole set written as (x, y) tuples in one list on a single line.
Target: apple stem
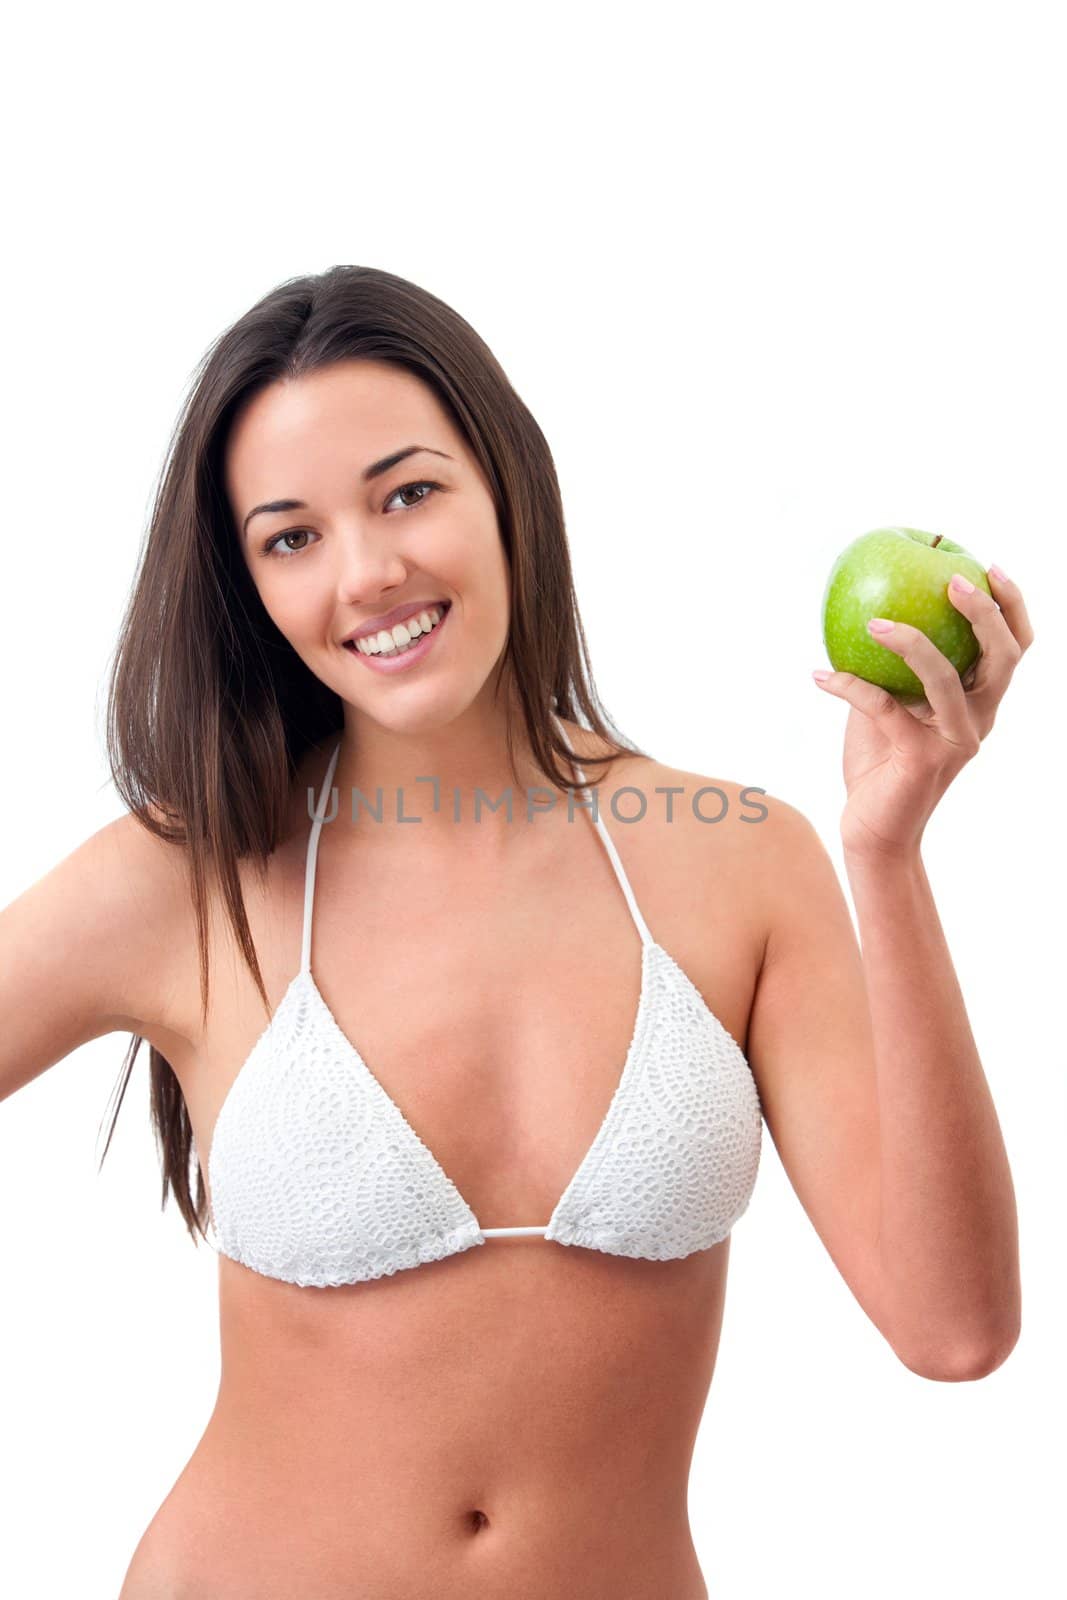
[(937, 541)]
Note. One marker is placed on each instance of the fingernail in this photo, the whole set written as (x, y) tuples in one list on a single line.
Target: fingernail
[(960, 582), (1001, 577), (820, 676), (880, 625)]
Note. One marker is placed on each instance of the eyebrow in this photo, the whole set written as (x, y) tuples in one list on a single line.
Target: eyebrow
[(375, 470)]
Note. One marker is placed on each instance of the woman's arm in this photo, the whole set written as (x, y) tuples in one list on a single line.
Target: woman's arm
[(83, 950), (873, 1093), (877, 1103), (948, 1230), (935, 1231)]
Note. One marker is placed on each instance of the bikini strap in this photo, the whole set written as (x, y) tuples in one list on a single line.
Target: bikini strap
[(312, 854), (609, 844)]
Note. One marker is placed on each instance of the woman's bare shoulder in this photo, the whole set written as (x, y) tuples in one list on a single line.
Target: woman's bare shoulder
[(157, 898), (85, 950), (705, 838), (698, 801)]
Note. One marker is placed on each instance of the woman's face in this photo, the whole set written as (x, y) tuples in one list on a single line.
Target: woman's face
[(368, 541)]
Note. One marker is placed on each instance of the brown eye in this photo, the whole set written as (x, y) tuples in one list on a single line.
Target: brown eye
[(292, 533), (404, 487)]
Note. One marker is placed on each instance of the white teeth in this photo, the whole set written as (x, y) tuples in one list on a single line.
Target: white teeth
[(395, 640)]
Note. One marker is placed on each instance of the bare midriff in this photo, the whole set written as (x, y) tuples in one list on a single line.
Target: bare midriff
[(517, 1421)]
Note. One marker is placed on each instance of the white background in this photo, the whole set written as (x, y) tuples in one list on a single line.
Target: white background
[(768, 276)]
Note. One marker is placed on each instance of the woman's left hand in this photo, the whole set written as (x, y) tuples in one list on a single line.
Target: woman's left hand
[(900, 758)]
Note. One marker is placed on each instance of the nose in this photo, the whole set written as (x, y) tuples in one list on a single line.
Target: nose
[(368, 565)]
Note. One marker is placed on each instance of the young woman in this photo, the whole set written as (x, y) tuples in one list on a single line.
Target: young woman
[(474, 1094)]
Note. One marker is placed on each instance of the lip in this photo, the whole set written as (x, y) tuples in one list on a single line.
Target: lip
[(410, 659), (389, 619)]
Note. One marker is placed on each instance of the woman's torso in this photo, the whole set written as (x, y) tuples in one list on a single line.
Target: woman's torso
[(517, 1419)]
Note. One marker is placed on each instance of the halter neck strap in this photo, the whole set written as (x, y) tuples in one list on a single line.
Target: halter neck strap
[(609, 844), (312, 855)]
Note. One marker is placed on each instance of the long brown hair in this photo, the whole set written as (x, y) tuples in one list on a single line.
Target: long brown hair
[(210, 709)]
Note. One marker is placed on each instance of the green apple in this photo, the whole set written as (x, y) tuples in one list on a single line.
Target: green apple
[(902, 574)]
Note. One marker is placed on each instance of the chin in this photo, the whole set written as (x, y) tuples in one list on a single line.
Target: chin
[(417, 713)]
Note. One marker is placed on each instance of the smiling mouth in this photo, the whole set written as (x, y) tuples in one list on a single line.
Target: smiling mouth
[(442, 607)]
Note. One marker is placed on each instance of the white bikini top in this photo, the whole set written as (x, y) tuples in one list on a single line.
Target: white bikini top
[(317, 1178)]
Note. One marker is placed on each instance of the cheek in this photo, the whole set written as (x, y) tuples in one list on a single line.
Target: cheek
[(296, 609), (502, 570), (465, 558), (488, 561), (489, 584)]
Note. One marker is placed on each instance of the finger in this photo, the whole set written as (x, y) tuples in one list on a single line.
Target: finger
[(1009, 598), (896, 722), (939, 678), (1000, 650)]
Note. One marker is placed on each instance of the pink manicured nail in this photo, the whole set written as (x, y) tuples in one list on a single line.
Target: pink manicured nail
[(962, 584), (1001, 577), (821, 675), (880, 625)]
